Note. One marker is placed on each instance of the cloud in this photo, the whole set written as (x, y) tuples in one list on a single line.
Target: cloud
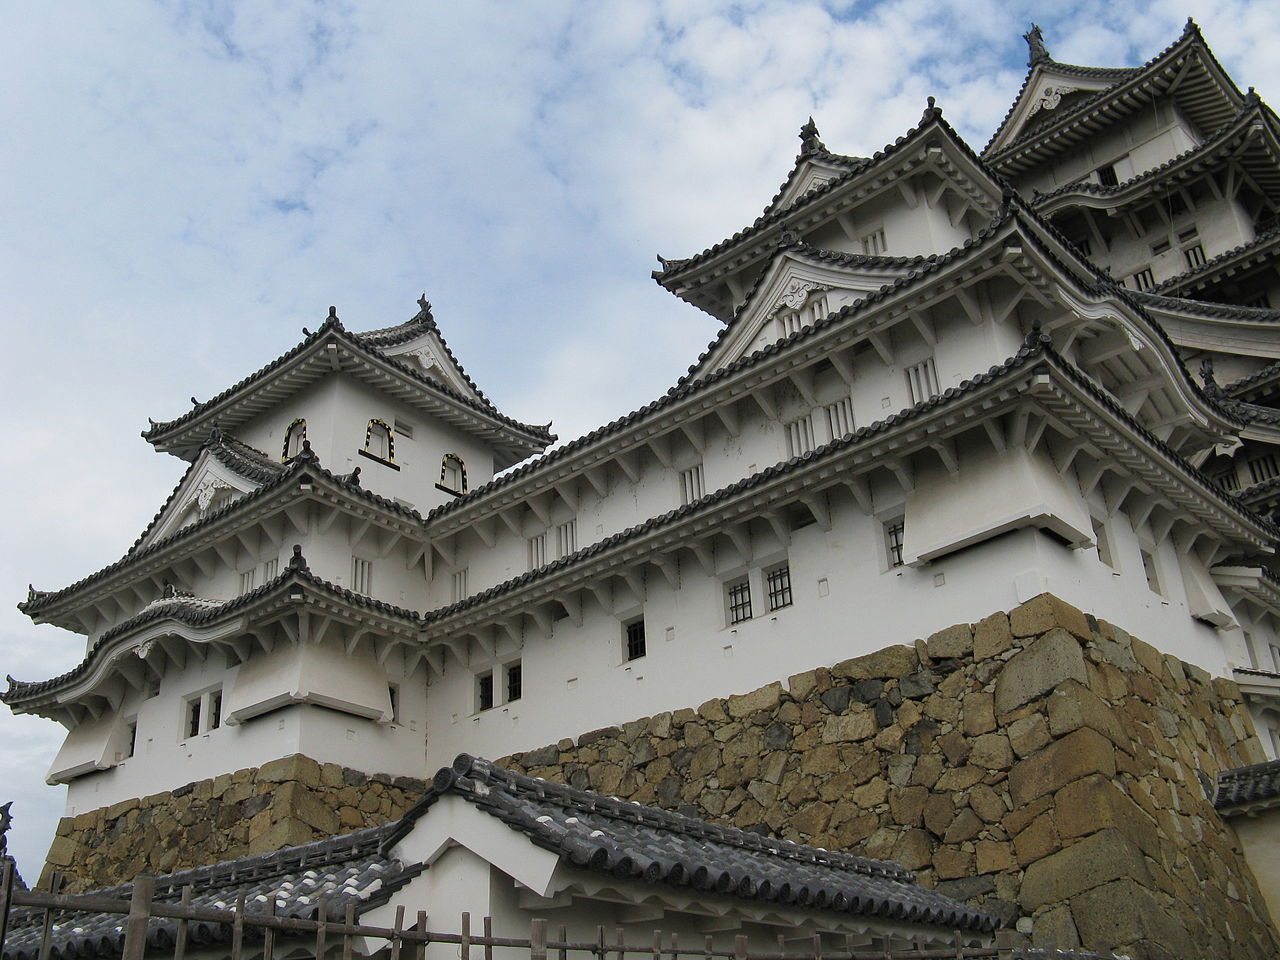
[(191, 183)]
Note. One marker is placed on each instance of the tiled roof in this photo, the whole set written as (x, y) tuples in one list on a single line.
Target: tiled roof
[(333, 327), (350, 869), (1207, 308), (38, 600), (1248, 785), (195, 611), (1244, 383), (648, 845), (1209, 267)]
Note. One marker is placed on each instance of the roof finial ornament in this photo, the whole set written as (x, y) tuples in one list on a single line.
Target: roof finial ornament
[(306, 332), (1207, 378), (424, 303), (1036, 52), (298, 561), (809, 142), (195, 402), (6, 821), (354, 477), (306, 453)]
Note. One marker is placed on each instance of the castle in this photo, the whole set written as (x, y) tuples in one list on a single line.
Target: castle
[(948, 382)]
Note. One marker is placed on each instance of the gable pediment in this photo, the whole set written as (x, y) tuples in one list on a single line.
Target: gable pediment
[(1045, 92), (809, 174), (208, 486), (797, 290), (427, 355)]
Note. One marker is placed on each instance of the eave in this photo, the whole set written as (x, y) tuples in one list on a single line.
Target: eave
[(1214, 327), (1260, 253)]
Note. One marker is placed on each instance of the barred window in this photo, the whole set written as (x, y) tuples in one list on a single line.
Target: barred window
[(840, 417), (537, 551), (515, 681), (922, 381), (873, 243), (362, 575), (247, 580), (1195, 256), (691, 485), (458, 585), (567, 537), (484, 691), (1263, 467), (1107, 176), (778, 587), (893, 533), (1143, 279), (739, 596), (634, 637), (800, 436)]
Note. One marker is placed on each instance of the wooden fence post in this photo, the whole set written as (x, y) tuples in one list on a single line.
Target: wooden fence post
[(464, 948), (135, 926), (268, 933), (488, 938), (538, 940), (322, 931)]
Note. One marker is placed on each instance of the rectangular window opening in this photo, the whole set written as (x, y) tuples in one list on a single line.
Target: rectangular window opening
[(402, 428), (458, 585), (691, 485), (537, 551), (1263, 468), (515, 682), (215, 710), (193, 717), (738, 594), (778, 587), (1103, 542), (247, 578), (484, 691), (1195, 256), (1143, 279), (362, 576), (873, 244), (131, 742), (893, 534), (634, 637), (270, 569), (1150, 569), (567, 538), (840, 417), (800, 436), (393, 694), (922, 381), (1107, 176)]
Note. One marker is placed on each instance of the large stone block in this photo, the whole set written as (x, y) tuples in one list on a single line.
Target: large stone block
[(1073, 705), (1096, 803), (1043, 613), (849, 727), (1105, 856), (898, 661), (950, 644), (766, 698), (1048, 661), (991, 637), (1076, 755)]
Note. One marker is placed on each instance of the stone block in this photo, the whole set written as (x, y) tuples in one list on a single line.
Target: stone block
[(284, 833), (915, 685), (812, 818), (1076, 755), (1088, 863), (296, 768), (992, 750), (978, 713), (986, 803), (1119, 912), (906, 805), (1045, 612), (938, 812), (991, 637), (712, 710), (1096, 803), (745, 704), (896, 661), (1047, 662), (62, 852), (849, 727), (964, 827), (960, 778), (1054, 928), (1114, 646), (913, 849), (1073, 705), (1037, 840), (802, 685), (952, 643), (952, 864), (1029, 734), (994, 856), (837, 698)]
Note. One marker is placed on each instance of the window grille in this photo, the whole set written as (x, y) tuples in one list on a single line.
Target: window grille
[(484, 691), (537, 551), (893, 534), (1159, 247), (1107, 176), (873, 244), (800, 436), (515, 682), (922, 381), (739, 595), (691, 487), (840, 417), (247, 578), (270, 569), (402, 428), (458, 585), (215, 710), (1195, 256), (634, 634), (791, 322), (1143, 279), (362, 575), (778, 587), (1227, 478), (1263, 467), (567, 538), (193, 717)]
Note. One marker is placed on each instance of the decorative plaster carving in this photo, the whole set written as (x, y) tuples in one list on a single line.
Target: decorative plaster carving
[(208, 489), (794, 297), (1050, 97)]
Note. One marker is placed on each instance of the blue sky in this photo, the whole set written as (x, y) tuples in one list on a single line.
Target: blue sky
[(187, 185)]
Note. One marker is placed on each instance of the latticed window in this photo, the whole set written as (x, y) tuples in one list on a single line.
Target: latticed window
[(567, 537), (691, 486), (840, 417), (362, 575), (800, 436), (515, 681), (537, 551), (739, 596), (634, 634), (922, 381), (247, 578), (893, 534), (1107, 176), (484, 691), (1143, 279), (458, 585), (1263, 467), (1195, 256), (873, 243), (777, 584)]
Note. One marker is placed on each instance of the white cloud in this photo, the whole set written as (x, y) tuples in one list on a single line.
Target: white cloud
[(191, 183)]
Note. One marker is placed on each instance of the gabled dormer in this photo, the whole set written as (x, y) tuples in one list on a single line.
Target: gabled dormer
[(815, 166), (800, 287), (419, 343)]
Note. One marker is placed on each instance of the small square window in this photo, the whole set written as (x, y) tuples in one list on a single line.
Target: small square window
[(1107, 176), (922, 381), (691, 486), (778, 587), (515, 682), (458, 585), (362, 576), (484, 691), (893, 538), (567, 537), (738, 594), (633, 634), (537, 551)]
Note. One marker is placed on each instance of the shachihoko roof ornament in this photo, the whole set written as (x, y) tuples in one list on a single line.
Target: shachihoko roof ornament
[(1036, 52)]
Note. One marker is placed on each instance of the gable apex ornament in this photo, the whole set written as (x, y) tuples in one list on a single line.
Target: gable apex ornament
[(809, 142), (794, 297), (1036, 52)]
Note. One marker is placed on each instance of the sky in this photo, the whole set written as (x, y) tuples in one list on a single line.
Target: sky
[(186, 185)]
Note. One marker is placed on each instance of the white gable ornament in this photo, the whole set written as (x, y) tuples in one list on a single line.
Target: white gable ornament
[(1050, 97), (209, 488), (794, 297)]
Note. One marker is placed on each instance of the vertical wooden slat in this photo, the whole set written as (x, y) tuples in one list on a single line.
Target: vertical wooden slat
[(740, 947), (348, 918), (46, 928), (601, 949), (268, 935), (135, 926), (6, 895), (237, 930), (619, 942), (817, 946), (396, 940), (959, 942), (656, 949), (421, 952), (538, 940), (564, 938), (706, 947), (180, 932), (488, 935), (464, 951), (322, 931), (675, 946)]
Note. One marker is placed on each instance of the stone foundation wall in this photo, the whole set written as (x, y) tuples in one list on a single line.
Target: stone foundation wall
[(1039, 764), (285, 802)]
